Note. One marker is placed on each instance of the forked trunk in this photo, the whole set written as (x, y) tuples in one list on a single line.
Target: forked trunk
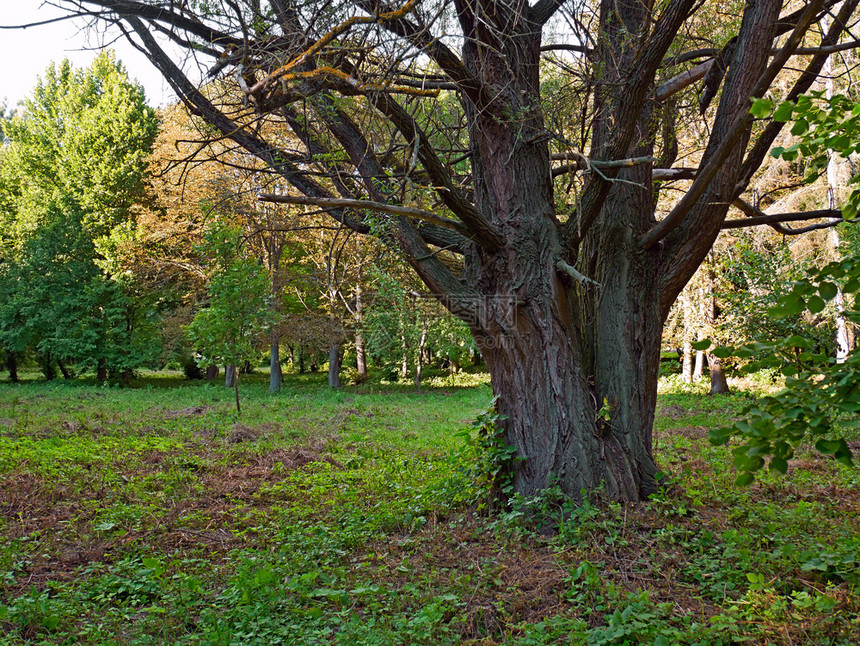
[(575, 374)]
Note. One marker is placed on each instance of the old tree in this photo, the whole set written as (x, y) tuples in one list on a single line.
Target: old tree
[(428, 124)]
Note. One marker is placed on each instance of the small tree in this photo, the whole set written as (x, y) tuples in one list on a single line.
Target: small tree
[(238, 312)]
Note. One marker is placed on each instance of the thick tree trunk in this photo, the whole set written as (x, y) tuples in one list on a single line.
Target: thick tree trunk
[(212, 373), (719, 385), (334, 360), (276, 375), (229, 376), (579, 403)]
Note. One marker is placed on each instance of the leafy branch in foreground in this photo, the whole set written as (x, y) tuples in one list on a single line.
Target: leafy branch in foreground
[(823, 126), (821, 398)]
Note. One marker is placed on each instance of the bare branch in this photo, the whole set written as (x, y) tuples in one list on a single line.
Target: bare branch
[(571, 271), (757, 217), (342, 203), (765, 140), (682, 80), (671, 174), (737, 129), (583, 163)]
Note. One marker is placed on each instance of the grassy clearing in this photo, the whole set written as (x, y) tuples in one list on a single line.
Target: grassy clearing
[(154, 515)]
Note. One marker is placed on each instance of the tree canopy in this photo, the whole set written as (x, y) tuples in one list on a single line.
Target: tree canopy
[(73, 174)]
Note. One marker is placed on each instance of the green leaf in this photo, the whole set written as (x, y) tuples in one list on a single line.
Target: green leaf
[(828, 447), (761, 108), (719, 436), (815, 304), (800, 127), (827, 290), (779, 464), (744, 479), (704, 344), (722, 352), (797, 341), (783, 113), (851, 286)]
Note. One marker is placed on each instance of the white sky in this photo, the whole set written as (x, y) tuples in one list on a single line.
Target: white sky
[(26, 53)]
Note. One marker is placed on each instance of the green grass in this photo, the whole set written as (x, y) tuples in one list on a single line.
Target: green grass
[(156, 515)]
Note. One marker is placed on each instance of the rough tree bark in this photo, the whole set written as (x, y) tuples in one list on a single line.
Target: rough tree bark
[(567, 306)]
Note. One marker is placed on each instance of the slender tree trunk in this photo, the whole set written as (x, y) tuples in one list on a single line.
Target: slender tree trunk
[(334, 360), (360, 356), (276, 374), (12, 365), (236, 390), (360, 347), (687, 351), (699, 368), (419, 356), (66, 374), (230, 376), (698, 365), (101, 370), (833, 188), (301, 354), (404, 354), (453, 366)]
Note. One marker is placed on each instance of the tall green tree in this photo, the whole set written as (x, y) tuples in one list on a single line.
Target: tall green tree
[(74, 169)]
